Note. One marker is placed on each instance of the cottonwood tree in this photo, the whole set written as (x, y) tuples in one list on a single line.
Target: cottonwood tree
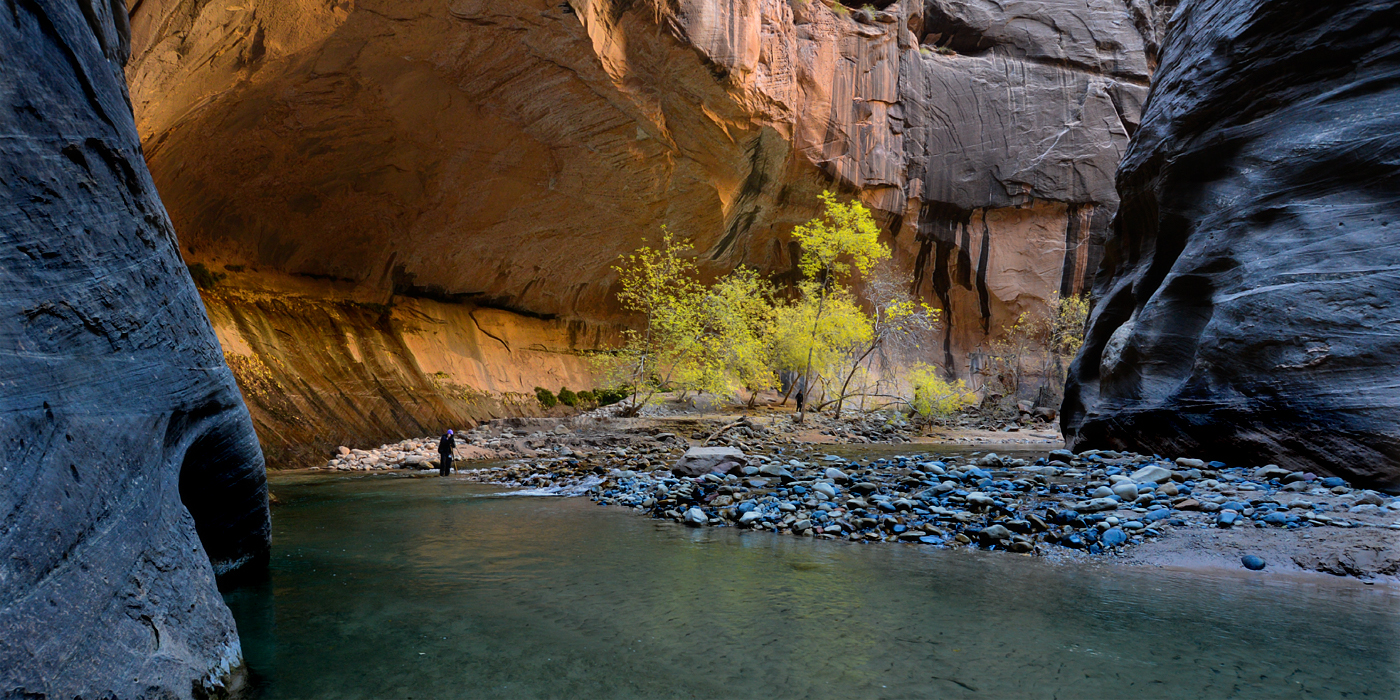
[(1052, 335), (899, 323), (817, 333), (662, 285), (740, 314), (842, 242)]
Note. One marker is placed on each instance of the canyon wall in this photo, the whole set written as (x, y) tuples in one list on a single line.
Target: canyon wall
[(130, 473), (500, 154), (1244, 307), (319, 370)]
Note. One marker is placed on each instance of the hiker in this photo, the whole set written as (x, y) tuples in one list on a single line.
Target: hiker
[(800, 400), (445, 447)]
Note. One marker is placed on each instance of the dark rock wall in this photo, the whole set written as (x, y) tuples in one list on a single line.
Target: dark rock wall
[(128, 461), (1246, 306)]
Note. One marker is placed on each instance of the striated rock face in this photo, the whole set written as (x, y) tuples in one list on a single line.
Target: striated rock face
[(502, 153), (129, 462), (319, 371), (1243, 304)]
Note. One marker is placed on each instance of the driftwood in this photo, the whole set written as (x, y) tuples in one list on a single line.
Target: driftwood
[(726, 428)]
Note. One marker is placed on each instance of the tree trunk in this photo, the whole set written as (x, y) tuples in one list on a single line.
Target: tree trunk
[(821, 306), (841, 398)]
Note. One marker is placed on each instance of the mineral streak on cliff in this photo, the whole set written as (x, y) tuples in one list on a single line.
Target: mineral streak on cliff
[(1246, 295), (502, 153), (130, 472)]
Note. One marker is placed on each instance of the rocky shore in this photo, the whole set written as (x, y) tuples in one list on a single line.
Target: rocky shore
[(757, 474)]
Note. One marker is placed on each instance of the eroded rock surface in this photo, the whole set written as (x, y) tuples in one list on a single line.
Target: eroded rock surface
[(503, 153), (129, 462), (1245, 298)]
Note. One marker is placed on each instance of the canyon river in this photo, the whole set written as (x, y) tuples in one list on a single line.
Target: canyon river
[(394, 587)]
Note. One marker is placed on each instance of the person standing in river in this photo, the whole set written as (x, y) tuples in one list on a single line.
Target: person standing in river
[(800, 400), (445, 447)]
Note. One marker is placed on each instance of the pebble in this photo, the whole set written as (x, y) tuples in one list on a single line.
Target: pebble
[(1113, 537), (985, 500), (1152, 473), (1126, 490), (1252, 562)]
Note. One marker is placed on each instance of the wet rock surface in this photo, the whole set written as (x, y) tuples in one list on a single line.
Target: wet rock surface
[(131, 474), (1245, 290)]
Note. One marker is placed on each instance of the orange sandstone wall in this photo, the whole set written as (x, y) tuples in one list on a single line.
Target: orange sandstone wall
[(502, 153)]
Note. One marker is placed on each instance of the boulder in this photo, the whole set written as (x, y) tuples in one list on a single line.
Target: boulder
[(1125, 490), (1151, 474), (1113, 537), (1095, 505), (1371, 498), (698, 461), (980, 500), (994, 534)]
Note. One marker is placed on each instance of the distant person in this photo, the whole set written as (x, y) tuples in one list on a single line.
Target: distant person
[(801, 399), (445, 447)]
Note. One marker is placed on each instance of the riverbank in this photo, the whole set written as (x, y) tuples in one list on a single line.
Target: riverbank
[(884, 486)]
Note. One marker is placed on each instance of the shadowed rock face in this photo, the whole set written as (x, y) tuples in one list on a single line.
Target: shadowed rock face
[(129, 462), (1244, 305), (502, 153)]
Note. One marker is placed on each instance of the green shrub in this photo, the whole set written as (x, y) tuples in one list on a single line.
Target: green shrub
[(546, 397), (608, 397), (566, 397), (203, 277), (586, 397)]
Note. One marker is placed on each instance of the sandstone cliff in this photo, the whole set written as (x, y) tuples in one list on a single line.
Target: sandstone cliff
[(1246, 295), (501, 154), (130, 473)]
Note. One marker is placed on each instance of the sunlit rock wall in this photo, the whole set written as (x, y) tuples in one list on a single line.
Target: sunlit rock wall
[(502, 153), (129, 470), (319, 370), (1244, 305)]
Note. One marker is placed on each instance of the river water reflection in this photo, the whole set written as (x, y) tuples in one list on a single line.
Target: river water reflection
[(385, 587)]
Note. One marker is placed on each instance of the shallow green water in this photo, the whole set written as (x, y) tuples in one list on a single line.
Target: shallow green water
[(385, 587)]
